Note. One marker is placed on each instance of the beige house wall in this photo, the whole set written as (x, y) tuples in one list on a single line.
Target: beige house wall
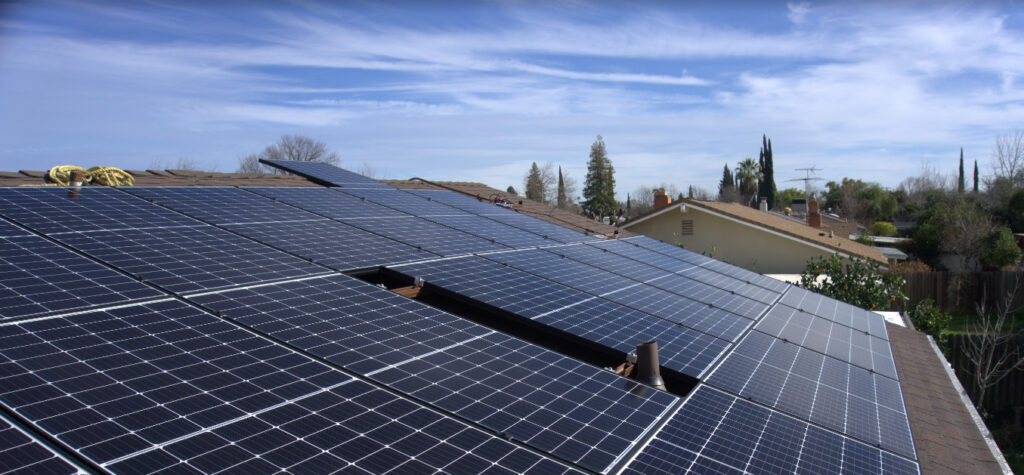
[(757, 249)]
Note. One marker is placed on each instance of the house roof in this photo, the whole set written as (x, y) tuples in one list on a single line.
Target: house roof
[(778, 224), (946, 437)]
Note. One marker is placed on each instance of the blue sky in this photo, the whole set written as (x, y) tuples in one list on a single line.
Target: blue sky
[(476, 91)]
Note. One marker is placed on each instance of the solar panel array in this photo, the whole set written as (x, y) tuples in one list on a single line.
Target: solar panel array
[(211, 329)]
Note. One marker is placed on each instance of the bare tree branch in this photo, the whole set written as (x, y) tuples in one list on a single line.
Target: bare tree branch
[(989, 347)]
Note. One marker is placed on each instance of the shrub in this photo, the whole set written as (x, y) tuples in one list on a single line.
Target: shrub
[(854, 281), (882, 228), (1000, 249), (929, 319), (910, 267)]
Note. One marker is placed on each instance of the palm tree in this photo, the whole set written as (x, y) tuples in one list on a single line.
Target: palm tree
[(747, 174)]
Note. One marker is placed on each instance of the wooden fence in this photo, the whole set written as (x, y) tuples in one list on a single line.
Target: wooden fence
[(954, 292), (1006, 394)]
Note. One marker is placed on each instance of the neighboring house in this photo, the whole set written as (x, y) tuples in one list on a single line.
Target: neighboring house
[(747, 237), (946, 438)]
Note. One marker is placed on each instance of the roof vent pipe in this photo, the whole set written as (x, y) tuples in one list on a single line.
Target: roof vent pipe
[(647, 364)]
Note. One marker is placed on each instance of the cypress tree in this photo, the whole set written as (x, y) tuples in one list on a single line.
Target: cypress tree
[(562, 199), (726, 187), (960, 183), (766, 185), (599, 186), (975, 176), (534, 184)]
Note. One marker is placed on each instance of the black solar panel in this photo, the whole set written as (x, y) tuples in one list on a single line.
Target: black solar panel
[(502, 233), (332, 244), (562, 270), (406, 202), (57, 210), (716, 432), (483, 206), (325, 173), (817, 388), (39, 277), (222, 205), (428, 236), (189, 259), (558, 405), (684, 311), (612, 262), (20, 453), (839, 312), (165, 386), (542, 228), (328, 202), (10, 230)]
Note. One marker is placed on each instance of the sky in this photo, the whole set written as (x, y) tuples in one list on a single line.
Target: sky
[(477, 91)]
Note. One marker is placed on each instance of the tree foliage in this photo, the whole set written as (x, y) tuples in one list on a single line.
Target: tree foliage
[(534, 184), (727, 187), (748, 173), (563, 200), (289, 147), (511, 190), (854, 281), (999, 249), (961, 182), (599, 186), (766, 183), (1008, 158), (927, 318), (785, 197)]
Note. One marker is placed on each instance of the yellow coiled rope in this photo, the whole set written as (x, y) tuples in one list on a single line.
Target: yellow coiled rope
[(105, 176)]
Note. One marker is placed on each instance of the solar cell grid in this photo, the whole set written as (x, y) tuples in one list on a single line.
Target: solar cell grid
[(10, 230), (331, 243), (611, 262), (719, 432), (833, 339), (541, 227), (166, 386), (327, 202), (190, 259), (428, 236), (502, 233), (614, 326), (834, 310), (681, 310), (41, 277), (819, 389), (325, 173), (635, 252), (57, 210), (495, 284), (19, 453), (562, 270), (406, 202), (466, 203), (502, 383), (221, 205)]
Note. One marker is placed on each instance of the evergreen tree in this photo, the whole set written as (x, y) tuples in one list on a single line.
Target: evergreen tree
[(599, 186), (534, 184), (748, 175), (766, 183), (511, 189), (563, 201), (975, 176), (727, 187), (960, 183)]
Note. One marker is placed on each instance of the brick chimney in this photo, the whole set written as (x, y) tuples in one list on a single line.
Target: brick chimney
[(661, 199), (813, 215)]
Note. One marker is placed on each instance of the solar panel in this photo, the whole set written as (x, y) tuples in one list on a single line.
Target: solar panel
[(327, 202), (10, 230), (41, 277), (426, 235), (325, 173), (331, 243), (563, 270), (58, 210), (681, 310), (839, 312), (222, 205), (720, 433), (405, 202), (833, 339), (502, 233), (611, 262), (164, 385), (769, 283), (558, 405), (542, 228), (666, 249), (819, 389), (189, 259), (20, 453), (483, 206)]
